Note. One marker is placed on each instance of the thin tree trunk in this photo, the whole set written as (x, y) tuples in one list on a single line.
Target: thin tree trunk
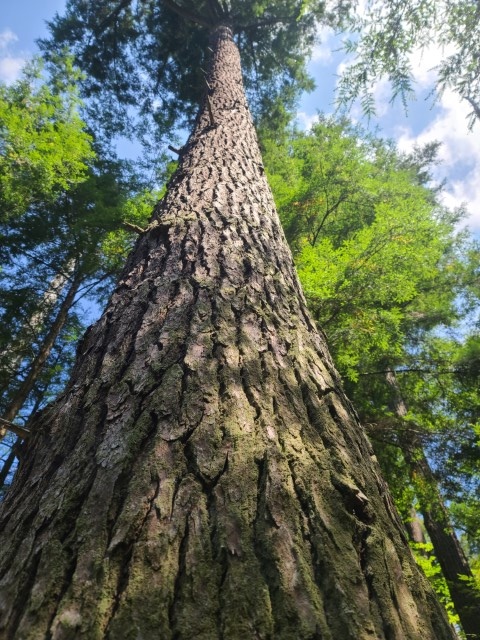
[(204, 476), (449, 553), (36, 366), (12, 355), (414, 528), (8, 464), (16, 448), (50, 297)]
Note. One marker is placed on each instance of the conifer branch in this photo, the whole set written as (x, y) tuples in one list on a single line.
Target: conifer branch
[(205, 77), (210, 111), (412, 370), (193, 16), (267, 22), (136, 229), (114, 14), (209, 102), (215, 9), (14, 428), (133, 227), (225, 7), (474, 105)]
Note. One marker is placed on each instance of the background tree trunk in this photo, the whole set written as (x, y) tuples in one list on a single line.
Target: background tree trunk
[(414, 528), (7, 464), (449, 553), (35, 367), (13, 354), (204, 475)]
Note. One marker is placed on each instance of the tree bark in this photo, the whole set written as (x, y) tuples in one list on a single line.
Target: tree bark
[(449, 553), (414, 528), (12, 356), (36, 366), (8, 464), (204, 476)]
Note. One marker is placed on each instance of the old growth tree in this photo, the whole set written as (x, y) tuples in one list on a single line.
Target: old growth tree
[(204, 475)]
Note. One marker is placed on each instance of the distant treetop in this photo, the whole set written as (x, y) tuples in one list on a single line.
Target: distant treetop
[(149, 56)]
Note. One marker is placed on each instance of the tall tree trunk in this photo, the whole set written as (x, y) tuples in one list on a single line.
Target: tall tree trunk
[(37, 364), (204, 476), (449, 553)]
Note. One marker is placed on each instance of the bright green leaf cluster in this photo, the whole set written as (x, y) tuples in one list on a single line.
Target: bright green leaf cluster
[(425, 558), (117, 243), (44, 148), (366, 235), (388, 277)]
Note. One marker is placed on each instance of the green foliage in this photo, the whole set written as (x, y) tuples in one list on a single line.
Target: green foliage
[(389, 278), (44, 148), (425, 558), (62, 206), (76, 237), (367, 236), (149, 57), (390, 457), (117, 243), (388, 33)]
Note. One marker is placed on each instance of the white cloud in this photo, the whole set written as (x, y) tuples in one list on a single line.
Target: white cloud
[(6, 37), (10, 65), (423, 66), (323, 52), (305, 120), (459, 153), (10, 69), (382, 93), (425, 61), (424, 72)]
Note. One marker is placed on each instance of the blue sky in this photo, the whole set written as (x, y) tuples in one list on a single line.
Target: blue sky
[(444, 121), (23, 21)]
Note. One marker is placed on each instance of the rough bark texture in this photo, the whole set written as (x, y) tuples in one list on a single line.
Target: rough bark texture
[(449, 553), (204, 475)]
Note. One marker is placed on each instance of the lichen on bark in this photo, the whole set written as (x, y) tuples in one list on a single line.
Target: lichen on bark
[(204, 476)]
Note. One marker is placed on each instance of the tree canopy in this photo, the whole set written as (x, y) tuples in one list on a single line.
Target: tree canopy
[(368, 236), (44, 148), (151, 54)]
